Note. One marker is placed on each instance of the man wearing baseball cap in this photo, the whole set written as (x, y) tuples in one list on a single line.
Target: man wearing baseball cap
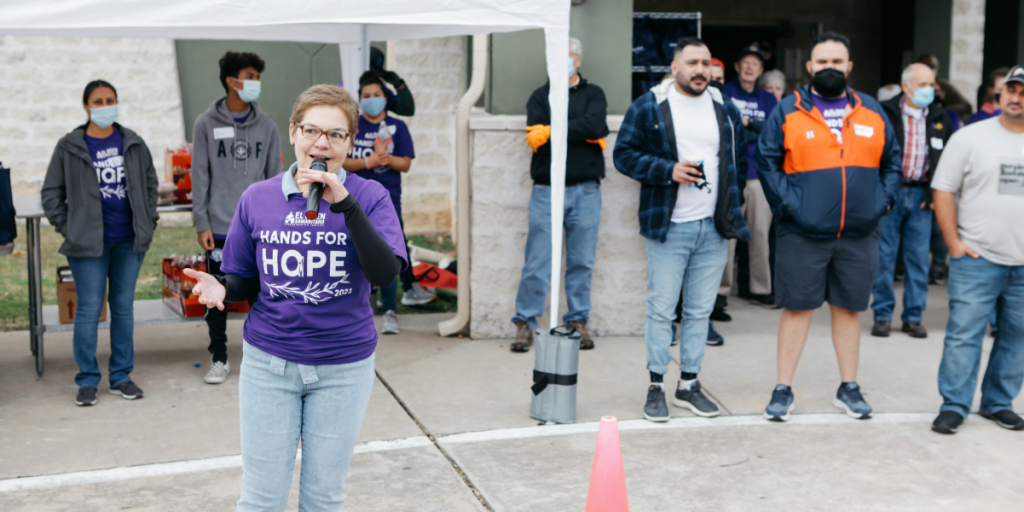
[(755, 104), (984, 165)]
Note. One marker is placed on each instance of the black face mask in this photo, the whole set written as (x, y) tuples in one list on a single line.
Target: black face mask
[(829, 83), (716, 84)]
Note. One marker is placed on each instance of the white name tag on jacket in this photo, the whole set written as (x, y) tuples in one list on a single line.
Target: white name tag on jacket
[(863, 131), (224, 132), (937, 143)]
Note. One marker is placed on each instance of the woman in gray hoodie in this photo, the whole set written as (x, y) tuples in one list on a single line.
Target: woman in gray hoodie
[(100, 193)]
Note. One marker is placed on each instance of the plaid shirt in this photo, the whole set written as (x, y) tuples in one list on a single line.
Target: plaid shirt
[(915, 146), (642, 152)]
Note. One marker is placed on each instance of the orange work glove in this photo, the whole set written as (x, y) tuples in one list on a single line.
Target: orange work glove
[(600, 142), (538, 135)]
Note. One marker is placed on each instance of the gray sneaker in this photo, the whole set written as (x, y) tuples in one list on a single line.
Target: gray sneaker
[(128, 390), (781, 406), (849, 399), (86, 396), (656, 409), (417, 296), (390, 323), (695, 400), (218, 373)]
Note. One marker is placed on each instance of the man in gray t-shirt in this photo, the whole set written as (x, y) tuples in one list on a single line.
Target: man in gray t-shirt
[(984, 164)]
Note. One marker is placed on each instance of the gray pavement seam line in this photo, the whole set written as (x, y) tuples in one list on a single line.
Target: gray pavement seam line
[(455, 465)]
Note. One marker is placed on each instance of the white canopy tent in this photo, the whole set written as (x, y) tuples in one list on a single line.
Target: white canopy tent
[(349, 23)]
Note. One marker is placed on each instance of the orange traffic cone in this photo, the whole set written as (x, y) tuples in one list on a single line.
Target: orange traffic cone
[(607, 477)]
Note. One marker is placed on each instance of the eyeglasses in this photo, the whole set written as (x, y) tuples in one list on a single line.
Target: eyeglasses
[(334, 136)]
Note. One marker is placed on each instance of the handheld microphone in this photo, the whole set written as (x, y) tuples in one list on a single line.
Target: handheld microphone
[(316, 190)]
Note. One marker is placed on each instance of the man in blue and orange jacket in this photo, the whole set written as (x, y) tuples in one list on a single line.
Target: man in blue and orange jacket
[(830, 167)]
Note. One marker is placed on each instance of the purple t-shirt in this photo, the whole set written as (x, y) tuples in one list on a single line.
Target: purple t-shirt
[(108, 159), (754, 106), (833, 110), (313, 306), (981, 115), (362, 147)]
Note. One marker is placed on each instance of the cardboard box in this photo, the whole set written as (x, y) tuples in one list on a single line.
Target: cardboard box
[(67, 297)]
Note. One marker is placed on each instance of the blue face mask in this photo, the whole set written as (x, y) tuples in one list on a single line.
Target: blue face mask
[(924, 96), (373, 106), (103, 116), (250, 90), (572, 68)]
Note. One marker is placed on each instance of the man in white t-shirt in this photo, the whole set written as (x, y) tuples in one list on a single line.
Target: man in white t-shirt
[(675, 141), (984, 164)]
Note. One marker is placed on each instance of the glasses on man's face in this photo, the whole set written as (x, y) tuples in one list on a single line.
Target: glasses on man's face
[(313, 133)]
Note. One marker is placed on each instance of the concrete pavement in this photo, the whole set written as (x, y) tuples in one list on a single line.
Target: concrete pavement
[(177, 449)]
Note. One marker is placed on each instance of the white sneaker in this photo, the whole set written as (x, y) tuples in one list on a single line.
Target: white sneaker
[(218, 373), (390, 323), (417, 296)]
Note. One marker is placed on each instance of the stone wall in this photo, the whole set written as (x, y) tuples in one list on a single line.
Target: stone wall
[(41, 84), (434, 70), (501, 187), (966, 52)]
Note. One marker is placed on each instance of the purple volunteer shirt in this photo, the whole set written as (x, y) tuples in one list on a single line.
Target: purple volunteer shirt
[(754, 106), (313, 306), (108, 159), (401, 145), (833, 110)]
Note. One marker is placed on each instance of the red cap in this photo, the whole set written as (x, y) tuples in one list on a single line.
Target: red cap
[(716, 62)]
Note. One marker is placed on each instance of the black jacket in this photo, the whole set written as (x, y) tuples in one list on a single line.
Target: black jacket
[(938, 126), (588, 119)]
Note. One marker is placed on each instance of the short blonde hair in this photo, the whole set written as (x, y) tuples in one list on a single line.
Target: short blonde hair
[(329, 95)]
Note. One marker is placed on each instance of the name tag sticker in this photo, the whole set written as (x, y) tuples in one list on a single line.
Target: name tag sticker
[(863, 131), (224, 132), (937, 143)]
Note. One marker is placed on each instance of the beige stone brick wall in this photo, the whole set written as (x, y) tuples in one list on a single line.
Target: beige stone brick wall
[(41, 84), (434, 70), (967, 45), (501, 187)]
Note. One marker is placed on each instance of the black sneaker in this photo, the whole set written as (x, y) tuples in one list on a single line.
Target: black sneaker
[(881, 328), (694, 400), (86, 396), (947, 422), (1006, 419), (714, 339), (718, 314), (128, 390), (765, 301), (655, 409), (914, 329)]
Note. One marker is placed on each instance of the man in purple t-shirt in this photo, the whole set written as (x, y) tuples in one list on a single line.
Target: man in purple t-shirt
[(754, 104)]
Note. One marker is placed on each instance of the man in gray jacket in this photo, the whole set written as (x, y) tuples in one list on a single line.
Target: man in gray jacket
[(234, 145)]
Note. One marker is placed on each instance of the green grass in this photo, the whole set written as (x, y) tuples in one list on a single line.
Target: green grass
[(167, 241)]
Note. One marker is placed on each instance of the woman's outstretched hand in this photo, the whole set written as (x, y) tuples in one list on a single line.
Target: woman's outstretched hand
[(208, 290), (334, 191)]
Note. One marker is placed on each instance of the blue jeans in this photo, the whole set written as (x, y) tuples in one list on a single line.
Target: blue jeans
[(908, 220), (281, 403), (976, 287), (120, 264), (692, 258), (581, 221)]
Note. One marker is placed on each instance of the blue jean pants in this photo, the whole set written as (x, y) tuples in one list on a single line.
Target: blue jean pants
[(582, 218), (692, 258), (119, 264), (282, 403), (976, 287), (914, 225)]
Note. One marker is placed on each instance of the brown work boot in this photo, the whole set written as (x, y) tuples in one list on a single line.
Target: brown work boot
[(586, 343), (524, 337)]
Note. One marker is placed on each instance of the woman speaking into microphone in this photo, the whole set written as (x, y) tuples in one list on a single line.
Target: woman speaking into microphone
[(309, 340)]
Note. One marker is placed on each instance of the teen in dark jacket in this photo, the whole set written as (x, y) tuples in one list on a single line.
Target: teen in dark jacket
[(100, 193)]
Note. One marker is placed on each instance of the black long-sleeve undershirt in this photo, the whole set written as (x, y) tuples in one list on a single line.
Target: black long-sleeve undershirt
[(379, 262)]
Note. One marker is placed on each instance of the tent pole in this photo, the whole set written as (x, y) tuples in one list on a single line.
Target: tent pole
[(460, 323)]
